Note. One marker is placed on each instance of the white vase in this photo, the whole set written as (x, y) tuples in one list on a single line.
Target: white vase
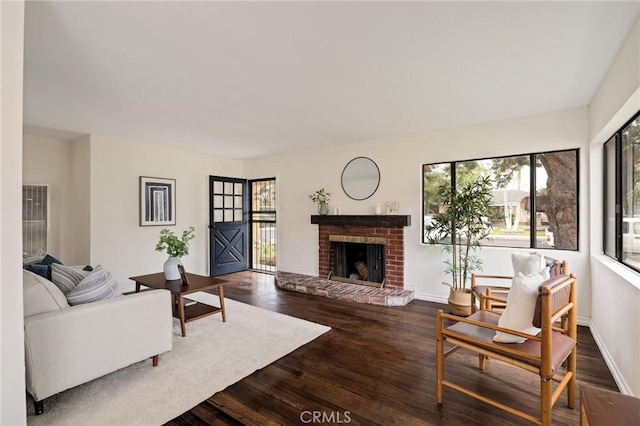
[(323, 208), (170, 268)]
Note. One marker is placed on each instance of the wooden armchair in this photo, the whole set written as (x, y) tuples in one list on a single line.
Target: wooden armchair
[(543, 354), (489, 292)]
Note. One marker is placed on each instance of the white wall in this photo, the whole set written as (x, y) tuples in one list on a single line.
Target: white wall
[(117, 240), (48, 161), (400, 160), (12, 400), (81, 201), (622, 79), (615, 317)]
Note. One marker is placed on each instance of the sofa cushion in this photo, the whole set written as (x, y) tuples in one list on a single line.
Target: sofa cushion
[(40, 295), (99, 285), (67, 277)]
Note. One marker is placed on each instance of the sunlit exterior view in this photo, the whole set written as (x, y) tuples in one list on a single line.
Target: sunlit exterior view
[(263, 225), (35, 218), (622, 195), (549, 219)]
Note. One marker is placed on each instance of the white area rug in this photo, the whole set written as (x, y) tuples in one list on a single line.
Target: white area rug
[(214, 355)]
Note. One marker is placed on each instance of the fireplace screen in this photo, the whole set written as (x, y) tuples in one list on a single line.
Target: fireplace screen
[(358, 261)]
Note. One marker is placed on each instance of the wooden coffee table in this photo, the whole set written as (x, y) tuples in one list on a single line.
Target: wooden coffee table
[(196, 283)]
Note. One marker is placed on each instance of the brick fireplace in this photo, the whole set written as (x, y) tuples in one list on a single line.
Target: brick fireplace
[(385, 230)]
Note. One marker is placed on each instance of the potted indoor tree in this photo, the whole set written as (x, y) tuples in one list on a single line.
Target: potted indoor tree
[(465, 220)]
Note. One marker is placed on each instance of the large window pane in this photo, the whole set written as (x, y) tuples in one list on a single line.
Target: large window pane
[(557, 198), (630, 184), (434, 176), (512, 188)]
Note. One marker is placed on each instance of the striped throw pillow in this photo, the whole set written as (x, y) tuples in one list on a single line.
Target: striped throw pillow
[(67, 277), (99, 285)]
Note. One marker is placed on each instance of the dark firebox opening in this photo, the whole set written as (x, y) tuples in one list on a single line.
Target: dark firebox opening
[(359, 261)]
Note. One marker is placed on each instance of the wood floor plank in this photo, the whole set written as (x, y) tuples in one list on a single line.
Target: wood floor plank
[(375, 366)]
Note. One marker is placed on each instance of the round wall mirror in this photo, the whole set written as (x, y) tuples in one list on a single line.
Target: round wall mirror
[(360, 178)]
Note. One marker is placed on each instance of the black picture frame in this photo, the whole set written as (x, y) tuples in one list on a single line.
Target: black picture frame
[(157, 201), (183, 275)]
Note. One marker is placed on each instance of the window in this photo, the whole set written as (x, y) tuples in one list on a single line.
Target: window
[(546, 219), (35, 218), (621, 228)]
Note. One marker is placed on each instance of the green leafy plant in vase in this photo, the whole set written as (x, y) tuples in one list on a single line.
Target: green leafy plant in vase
[(321, 197), (175, 247)]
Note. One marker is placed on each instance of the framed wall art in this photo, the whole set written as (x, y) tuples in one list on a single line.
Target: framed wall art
[(157, 201)]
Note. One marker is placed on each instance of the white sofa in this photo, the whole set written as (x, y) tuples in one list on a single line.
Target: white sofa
[(66, 346)]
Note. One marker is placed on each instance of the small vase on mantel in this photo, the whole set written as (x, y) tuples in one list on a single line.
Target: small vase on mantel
[(323, 208), (170, 268)]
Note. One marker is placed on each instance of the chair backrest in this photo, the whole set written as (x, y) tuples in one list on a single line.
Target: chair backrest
[(556, 267), (559, 298)]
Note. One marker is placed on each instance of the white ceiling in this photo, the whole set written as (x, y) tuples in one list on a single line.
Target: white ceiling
[(249, 79)]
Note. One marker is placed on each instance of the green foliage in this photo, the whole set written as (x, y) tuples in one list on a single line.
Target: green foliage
[(174, 246), (505, 168), (267, 253), (459, 229), (434, 177), (266, 199), (320, 196)]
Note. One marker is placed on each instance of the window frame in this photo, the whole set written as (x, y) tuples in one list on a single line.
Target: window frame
[(616, 139), (533, 244), (46, 220)]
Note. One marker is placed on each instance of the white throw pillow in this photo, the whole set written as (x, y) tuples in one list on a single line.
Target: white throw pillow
[(99, 285), (521, 305), (527, 263)]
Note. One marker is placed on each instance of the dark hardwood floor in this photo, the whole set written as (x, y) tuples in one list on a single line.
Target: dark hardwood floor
[(376, 366)]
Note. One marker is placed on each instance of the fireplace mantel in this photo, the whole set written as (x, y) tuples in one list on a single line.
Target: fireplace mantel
[(362, 220)]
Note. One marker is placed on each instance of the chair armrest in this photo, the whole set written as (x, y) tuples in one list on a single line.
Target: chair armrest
[(488, 326), (71, 346), (476, 277), (493, 292)]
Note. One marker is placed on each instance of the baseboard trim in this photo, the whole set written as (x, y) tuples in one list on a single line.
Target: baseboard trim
[(608, 359), (430, 297), (584, 321)]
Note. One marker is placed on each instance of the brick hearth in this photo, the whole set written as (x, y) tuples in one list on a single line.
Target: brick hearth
[(343, 291)]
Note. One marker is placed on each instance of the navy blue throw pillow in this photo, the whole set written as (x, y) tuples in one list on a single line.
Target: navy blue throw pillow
[(48, 260), (42, 270)]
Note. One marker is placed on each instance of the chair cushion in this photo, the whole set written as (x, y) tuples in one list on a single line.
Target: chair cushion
[(521, 305), (98, 285), (561, 345), (40, 295)]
